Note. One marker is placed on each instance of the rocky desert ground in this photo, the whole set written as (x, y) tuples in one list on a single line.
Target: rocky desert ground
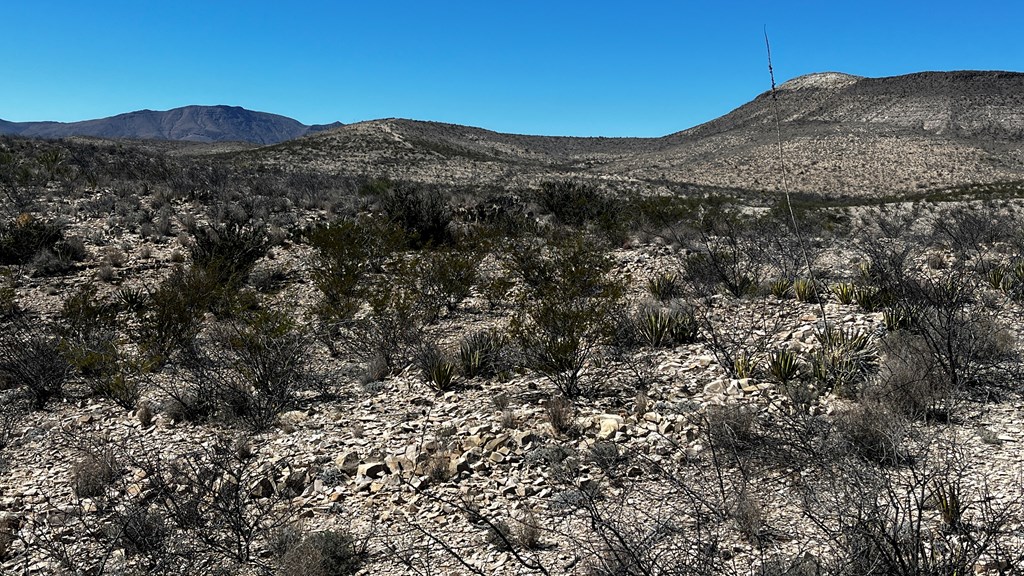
[(301, 359)]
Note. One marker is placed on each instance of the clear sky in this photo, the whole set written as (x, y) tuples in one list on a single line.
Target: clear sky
[(627, 68)]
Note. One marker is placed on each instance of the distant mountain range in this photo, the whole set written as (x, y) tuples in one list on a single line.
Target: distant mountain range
[(189, 123)]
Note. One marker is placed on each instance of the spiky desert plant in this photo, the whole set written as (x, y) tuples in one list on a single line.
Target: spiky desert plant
[(783, 365), (805, 290), (780, 288), (665, 287), (845, 292)]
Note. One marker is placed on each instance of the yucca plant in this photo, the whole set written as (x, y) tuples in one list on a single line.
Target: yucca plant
[(898, 317), (478, 353), (870, 299), (843, 359), (998, 279), (665, 287), (845, 292), (438, 369), (666, 326), (949, 501), (743, 366), (805, 290), (780, 288), (783, 366)]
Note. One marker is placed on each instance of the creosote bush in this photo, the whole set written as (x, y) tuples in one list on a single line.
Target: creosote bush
[(328, 553), (568, 309)]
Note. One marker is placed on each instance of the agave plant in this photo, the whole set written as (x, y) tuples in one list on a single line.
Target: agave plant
[(743, 366), (998, 279), (666, 326)]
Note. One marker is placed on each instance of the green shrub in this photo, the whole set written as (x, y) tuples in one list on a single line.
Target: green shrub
[(172, 316), (347, 253), (228, 252), (329, 553), (23, 238), (568, 309), (446, 278), (421, 212), (32, 356)]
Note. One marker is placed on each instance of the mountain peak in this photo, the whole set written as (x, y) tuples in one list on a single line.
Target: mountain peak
[(820, 81), (194, 123)]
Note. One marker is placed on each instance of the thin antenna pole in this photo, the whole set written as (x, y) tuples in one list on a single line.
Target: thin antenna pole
[(785, 190)]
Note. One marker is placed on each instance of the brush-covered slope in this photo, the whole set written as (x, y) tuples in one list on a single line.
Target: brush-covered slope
[(841, 135)]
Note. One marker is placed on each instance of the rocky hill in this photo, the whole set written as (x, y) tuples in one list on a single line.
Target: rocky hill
[(841, 135), (189, 123)]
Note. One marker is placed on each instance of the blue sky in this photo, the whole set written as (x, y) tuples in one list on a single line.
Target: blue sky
[(535, 67)]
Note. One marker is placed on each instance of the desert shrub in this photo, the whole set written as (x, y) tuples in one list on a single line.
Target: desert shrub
[(172, 315), (875, 432), (26, 236), (254, 368), (94, 473), (579, 204), (347, 252), (220, 503), (560, 414), (229, 251), (567, 310), (908, 379), (730, 254), (731, 426), (8, 295), (328, 553), (421, 212), (446, 278), (32, 356)]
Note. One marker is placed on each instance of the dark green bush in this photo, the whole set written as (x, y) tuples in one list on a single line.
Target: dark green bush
[(32, 356), (568, 309), (229, 251), (329, 553), (446, 278), (25, 237), (423, 213), (347, 253)]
